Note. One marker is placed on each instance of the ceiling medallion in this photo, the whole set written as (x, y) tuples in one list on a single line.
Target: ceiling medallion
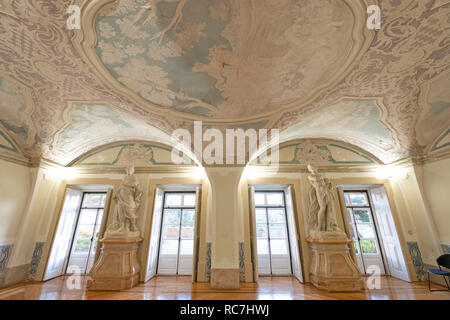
[(224, 62)]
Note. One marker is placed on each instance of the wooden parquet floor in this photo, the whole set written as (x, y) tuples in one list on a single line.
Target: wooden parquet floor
[(181, 287)]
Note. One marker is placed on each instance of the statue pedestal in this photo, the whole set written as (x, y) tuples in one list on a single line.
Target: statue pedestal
[(331, 266), (117, 267)]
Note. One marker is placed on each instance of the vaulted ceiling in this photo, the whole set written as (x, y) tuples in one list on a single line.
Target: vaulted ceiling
[(139, 69)]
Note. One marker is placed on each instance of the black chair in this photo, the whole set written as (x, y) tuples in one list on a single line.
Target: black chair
[(443, 261)]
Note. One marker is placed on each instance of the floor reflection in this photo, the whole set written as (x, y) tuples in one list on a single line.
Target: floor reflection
[(182, 288)]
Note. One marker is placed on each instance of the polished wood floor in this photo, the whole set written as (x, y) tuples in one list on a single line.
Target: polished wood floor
[(269, 288)]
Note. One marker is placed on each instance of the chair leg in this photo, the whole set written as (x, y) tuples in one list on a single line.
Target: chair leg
[(429, 285), (447, 282)]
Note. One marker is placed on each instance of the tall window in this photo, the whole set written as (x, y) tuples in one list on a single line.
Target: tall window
[(362, 225), (271, 233), (85, 241), (177, 234)]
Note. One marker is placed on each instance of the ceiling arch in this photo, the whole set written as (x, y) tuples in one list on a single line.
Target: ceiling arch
[(322, 152), (132, 153), (87, 126), (358, 122)]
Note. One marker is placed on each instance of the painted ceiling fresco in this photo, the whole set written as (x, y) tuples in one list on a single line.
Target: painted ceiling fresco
[(442, 142), (358, 122), (98, 125), (196, 56), (160, 64), (6, 143), (13, 108), (435, 98), (131, 153), (318, 153)]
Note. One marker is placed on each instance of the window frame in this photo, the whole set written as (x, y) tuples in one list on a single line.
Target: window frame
[(354, 227), (80, 208), (180, 207), (266, 207)]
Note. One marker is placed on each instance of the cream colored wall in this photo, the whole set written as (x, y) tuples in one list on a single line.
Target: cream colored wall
[(35, 194), (423, 227), (436, 182), (15, 188), (35, 221)]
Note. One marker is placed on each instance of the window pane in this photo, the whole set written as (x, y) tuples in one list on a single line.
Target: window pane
[(278, 247), (261, 216), (368, 246), (94, 200), (355, 245), (169, 247), (276, 215), (173, 199), (88, 216), (358, 198), (187, 247), (171, 232), (189, 200), (362, 215), (188, 217), (262, 246), (259, 199), (172, 216), (277, 231), (82, 245), (187, 232), (347, 200), (365, 230), (261, 230), (274, 199), (85, 231)]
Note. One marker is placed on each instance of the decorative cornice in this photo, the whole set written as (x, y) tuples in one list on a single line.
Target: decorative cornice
[(15, 158)]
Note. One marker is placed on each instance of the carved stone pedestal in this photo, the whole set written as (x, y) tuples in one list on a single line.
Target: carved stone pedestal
[(331, 266), (117, 267)]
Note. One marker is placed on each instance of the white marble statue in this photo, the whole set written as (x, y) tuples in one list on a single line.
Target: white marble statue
[(128, 199), (322, 217)]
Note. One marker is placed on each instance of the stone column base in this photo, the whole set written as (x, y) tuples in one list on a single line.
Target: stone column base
[(224, 278), (117, 267), (331, 266)]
